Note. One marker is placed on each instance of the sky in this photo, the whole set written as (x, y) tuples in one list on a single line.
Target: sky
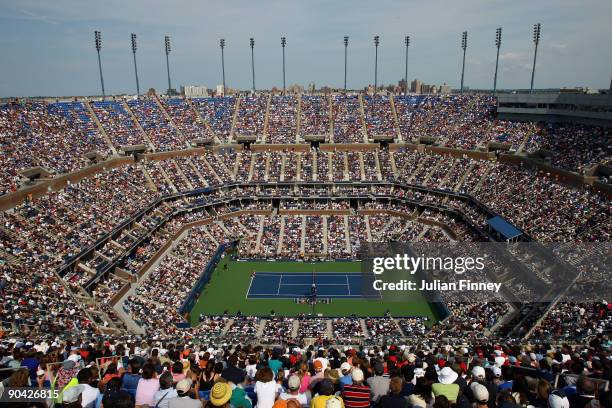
[(47, 47)]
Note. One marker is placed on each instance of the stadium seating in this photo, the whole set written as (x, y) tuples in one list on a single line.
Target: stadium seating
[(116, 251)]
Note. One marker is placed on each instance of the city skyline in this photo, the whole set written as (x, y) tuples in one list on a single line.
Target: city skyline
[(48, 49)]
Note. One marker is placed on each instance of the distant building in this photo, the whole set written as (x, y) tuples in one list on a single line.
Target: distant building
[(429, 89), (220, 91), (415, 86), (295, 89), (194, 91), (445, 89)]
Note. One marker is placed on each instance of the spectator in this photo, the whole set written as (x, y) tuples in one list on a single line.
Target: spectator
[(356, 395), (293, 385), (89, 394), (266, 388), (166, 391), (326, 391), (446, 384), (394, 399), (220, 394), (148, 385), (379, 384)]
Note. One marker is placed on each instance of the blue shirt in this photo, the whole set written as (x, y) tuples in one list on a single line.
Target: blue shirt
[(275, 365), (130, 381), (346, 380)]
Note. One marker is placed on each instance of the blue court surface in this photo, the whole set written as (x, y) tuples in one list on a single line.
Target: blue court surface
[(340, 285)]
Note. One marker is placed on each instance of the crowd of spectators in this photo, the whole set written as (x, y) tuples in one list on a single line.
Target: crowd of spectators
[(117, 123), (282, 119), (186, 119), (314, 116), (153, 120), (379, 118), (346, 117), (219, 113), (128, 372), (251, 116)]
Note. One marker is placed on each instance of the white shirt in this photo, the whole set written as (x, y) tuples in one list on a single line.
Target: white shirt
[(301, 397), (169, 393), (89, 396), (266, 393)]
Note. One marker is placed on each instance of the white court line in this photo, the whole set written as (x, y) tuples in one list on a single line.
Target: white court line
[(348, 286), (249, 289), (280, 283)]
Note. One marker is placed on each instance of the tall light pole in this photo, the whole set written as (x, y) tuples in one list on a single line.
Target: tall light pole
[(283, 43), (222, 45), (536, 40), (167, 44), (407, 43), (252, 43), (498, 37), (345, 58), (463, 47), (376, 42), (98, 42), (135, 66)]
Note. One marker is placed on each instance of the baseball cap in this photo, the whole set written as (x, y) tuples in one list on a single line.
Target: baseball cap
[(357, 375), (317, 364), (478, 372), (294, 382), (480, 392), (496, 371), (345, 367), (184, 385)]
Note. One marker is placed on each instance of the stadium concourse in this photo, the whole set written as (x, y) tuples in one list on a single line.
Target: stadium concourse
[(100, 248)]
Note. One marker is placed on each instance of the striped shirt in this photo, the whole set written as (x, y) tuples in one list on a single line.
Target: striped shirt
[(356, 396)]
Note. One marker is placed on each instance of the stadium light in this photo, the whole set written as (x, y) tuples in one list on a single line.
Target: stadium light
[(407, 43), (134, 47), (498, 37), (168, 49), (98, 43), (222, 45), (252, 43), (536, 41), (376, 42), (464, 37), (345, 58), (283, 43)]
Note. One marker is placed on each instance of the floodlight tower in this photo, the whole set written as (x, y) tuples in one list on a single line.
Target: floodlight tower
[(168, 49), (464, 37), (498, 37), (376, 43), (407, 43), (135, 66), (222, 45), (252, 43), (283, 43), (98, 43), (345, 58), (536, 41)]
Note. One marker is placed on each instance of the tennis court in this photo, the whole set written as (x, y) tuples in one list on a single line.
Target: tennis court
[(290, 285)]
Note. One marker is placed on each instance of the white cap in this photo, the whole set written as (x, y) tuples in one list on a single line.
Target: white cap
[(478, 372), (481, 394), (357, 375)]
